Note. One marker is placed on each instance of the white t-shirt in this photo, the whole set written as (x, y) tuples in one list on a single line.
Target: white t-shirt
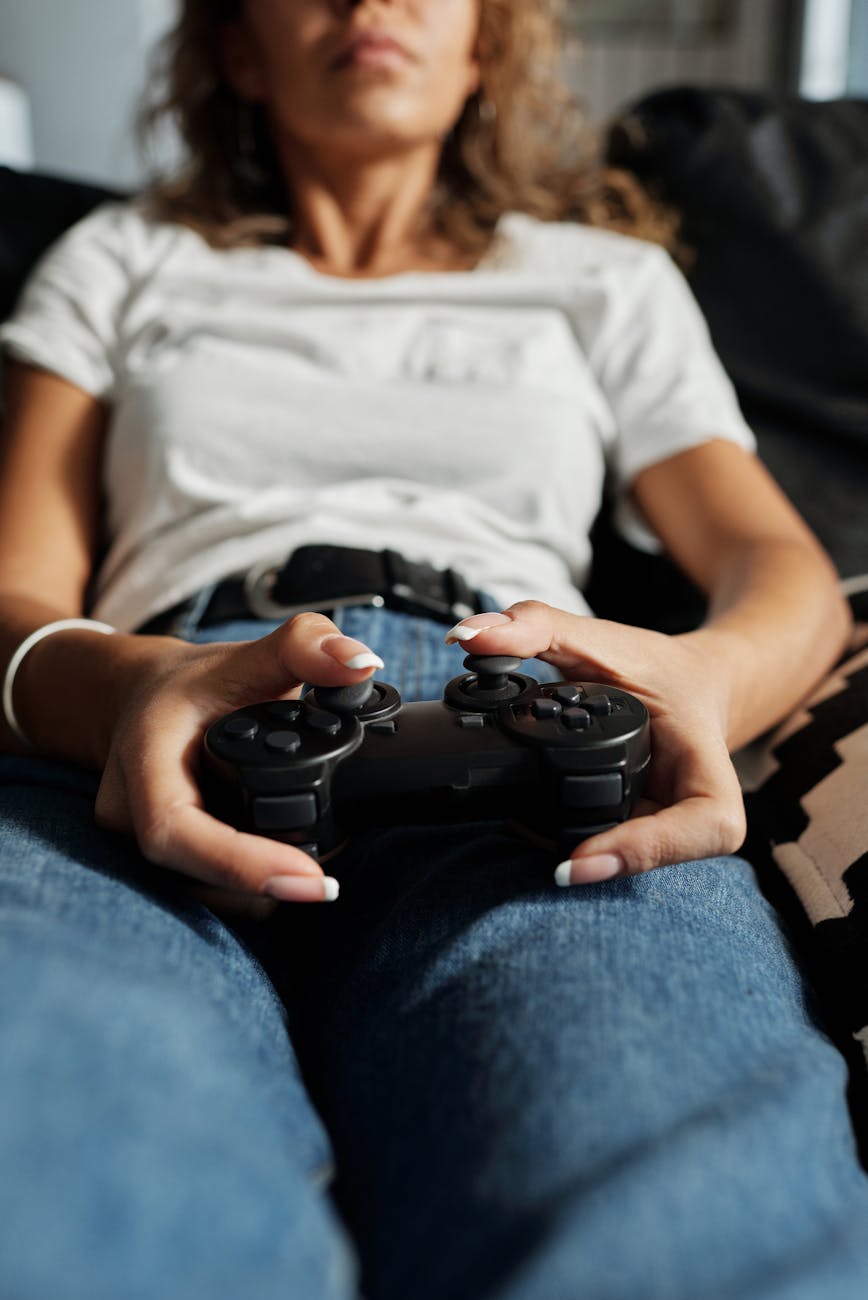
[(462, 418)]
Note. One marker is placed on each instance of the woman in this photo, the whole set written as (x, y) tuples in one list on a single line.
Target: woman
[(339, 327)]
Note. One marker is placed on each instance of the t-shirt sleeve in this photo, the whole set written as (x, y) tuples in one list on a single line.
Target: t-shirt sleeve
[(662, 378), (66, 318)]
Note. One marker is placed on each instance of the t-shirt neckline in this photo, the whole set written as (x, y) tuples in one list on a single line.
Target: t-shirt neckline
[(490, 259)]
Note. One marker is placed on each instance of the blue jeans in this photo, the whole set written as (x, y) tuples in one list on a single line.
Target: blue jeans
[(459, 1082)]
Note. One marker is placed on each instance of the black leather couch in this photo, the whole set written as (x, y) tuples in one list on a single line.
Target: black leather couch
[(774, 200)]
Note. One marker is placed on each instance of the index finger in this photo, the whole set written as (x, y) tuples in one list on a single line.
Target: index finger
[(705, 819), (174, 830), (573, 643), (190, 840)]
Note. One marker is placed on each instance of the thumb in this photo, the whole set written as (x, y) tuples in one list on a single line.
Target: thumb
[(307, 648)]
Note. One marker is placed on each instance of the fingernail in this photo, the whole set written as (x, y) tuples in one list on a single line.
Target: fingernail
[(468, 628), (585, 871), (350, 653), (563, 873), (300, 889)]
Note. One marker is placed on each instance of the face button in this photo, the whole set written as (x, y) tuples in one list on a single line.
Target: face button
[(284, 710), (546, 708), (599, 705), (567, 694), (242, 728), (322, 720), (282, 742), (577, 719)]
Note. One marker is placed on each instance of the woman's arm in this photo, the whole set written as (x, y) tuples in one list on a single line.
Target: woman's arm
[(67, 690), (776, 624), (52, 442), (133, 707), (777, 620)]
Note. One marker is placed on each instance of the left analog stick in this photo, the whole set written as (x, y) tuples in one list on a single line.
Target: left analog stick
[(345, 699)]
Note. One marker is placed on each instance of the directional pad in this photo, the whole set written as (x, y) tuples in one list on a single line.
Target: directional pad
[(284, 710), (322, 720), (241, 728), (283, 742)]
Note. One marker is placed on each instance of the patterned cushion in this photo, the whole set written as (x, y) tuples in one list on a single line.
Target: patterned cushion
[(806, 792)]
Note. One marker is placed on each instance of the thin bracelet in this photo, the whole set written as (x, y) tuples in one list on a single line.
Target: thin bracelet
[(62, 625)]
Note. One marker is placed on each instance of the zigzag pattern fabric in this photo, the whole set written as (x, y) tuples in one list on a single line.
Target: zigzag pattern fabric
[(809, 821)]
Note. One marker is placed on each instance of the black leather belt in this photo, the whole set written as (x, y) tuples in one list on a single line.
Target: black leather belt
[(330, 577)]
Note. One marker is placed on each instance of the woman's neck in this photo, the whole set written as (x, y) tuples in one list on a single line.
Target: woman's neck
[(364, 217), (428, 260)]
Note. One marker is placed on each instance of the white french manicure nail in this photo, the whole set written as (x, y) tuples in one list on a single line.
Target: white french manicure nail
[(368, 660), (351, 653), (460, 633), (302, 889), (563, 873), (471, 626)]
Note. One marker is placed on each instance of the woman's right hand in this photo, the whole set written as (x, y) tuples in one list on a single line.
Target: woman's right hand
[(149, 786)]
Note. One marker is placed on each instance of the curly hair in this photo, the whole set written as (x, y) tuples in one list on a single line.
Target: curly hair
[(522, 142)]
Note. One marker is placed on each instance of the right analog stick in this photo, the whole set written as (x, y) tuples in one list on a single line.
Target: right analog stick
[(492, 676)]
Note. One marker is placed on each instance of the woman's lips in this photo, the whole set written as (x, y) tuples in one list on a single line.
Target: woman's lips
[(372, 52)]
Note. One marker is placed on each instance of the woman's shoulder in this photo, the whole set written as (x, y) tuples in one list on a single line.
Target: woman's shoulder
[(574, 246), (122, 231)]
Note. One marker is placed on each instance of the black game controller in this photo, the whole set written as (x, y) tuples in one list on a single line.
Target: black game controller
[(563, 760)]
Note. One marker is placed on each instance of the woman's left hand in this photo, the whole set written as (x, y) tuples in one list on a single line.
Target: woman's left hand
[(693, 806)]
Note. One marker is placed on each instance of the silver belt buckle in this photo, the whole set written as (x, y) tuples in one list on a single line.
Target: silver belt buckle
[(259, 584)]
